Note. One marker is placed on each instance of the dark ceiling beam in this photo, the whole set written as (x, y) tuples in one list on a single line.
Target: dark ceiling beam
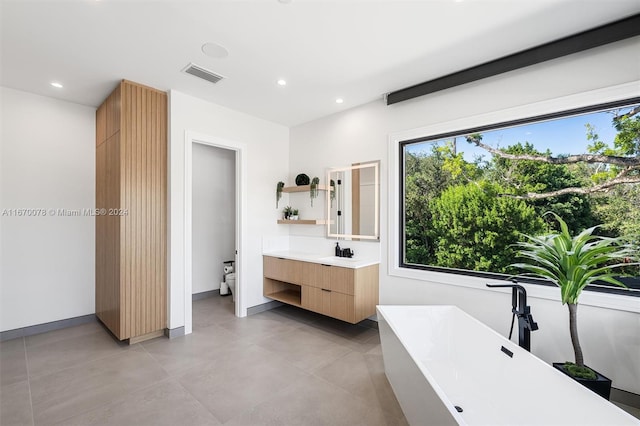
[(605, 34)]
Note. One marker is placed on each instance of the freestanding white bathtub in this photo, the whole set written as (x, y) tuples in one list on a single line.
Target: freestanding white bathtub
[(439, 357)]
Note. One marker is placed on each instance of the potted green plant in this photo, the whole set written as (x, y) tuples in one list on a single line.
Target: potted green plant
[(279, 187), (313, 189), (294, 214), (332, 191), (572, 263), (287, 212), (302, 179)]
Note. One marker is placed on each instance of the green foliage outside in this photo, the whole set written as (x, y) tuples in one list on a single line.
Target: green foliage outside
[(474, 228), (469, 214), (531, 176)]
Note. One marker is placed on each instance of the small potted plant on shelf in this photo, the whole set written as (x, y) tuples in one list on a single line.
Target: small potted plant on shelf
[(288, 212), (294, 214), (572, 263)]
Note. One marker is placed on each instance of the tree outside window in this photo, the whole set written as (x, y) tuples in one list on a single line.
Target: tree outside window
[(469, 197)]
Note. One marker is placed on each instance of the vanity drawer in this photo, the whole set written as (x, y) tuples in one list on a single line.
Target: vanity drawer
[(315, 275), (337, 305), (342, 280), (316, 300), (286, 270), (342, 307), (329, 277)]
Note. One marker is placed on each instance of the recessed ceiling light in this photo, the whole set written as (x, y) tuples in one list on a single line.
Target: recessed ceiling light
[(282, 82), (56, 85), (285, 1), (339, 100), (214, 50)]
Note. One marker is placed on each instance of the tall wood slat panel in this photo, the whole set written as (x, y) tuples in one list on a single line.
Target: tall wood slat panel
[(131, 290)]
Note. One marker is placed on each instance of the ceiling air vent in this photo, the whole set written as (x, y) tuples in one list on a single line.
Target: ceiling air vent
[(202, 73)]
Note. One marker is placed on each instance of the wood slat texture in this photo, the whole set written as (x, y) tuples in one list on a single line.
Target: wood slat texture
[(366, 291), (342, 279), (343, 307), (101, 124), (311, 298), (283, 269), (310, 274), (134, 245), (112, 113)]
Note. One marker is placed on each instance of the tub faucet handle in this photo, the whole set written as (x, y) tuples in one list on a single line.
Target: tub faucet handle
[(530, 323)]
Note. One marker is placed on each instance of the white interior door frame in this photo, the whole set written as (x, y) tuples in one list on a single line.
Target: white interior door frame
[(241, 186)]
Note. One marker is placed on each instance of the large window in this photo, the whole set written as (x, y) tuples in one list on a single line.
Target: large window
[(468, 196)]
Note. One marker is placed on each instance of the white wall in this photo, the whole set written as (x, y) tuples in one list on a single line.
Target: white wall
[(47, 162), (214, 215), (267, 158), (610, 337)]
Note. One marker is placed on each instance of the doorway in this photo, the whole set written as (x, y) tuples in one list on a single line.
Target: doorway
[(213, 219), (193, 139)]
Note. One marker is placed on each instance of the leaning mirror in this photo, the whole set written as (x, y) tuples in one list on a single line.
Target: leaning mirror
[(353, 201)]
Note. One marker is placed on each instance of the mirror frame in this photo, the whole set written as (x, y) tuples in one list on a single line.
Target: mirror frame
[(376, 167)]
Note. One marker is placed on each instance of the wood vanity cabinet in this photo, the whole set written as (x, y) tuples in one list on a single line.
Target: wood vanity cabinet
[(131, 206), (347, 294)]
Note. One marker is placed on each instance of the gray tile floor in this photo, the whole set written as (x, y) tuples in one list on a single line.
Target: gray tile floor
[(281, 367)]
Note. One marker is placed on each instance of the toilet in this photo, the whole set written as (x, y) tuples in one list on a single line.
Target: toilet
[(230, 279)]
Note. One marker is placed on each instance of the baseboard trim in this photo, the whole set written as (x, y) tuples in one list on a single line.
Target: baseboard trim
[(264, 307), (172, 333), (205, 294), (43, 328), (627, 398)]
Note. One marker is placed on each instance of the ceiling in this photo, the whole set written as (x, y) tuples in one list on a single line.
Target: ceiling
[(356, 50)]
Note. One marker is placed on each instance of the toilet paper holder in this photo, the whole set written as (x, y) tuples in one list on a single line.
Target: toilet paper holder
[(229, 266)]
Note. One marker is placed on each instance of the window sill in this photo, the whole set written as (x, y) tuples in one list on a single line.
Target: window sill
[(587, 298)]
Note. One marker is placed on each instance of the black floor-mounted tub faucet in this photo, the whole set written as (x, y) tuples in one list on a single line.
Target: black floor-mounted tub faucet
[(526, 324)]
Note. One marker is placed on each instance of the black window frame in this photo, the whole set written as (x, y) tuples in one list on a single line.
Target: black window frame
[(484, 128)]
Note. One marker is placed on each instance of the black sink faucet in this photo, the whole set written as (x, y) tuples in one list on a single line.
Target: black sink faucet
[(526, 324)]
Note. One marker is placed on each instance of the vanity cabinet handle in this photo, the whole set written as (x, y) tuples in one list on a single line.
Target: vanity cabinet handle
[(324, 289)]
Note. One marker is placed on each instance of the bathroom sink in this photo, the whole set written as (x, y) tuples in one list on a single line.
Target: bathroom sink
[(338, 259)]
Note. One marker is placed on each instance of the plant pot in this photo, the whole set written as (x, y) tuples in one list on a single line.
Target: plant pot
[(601, 385), (302, 179), (294, 217)]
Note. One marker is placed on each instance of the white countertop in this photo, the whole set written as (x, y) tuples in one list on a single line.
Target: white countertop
[(345, 262)]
